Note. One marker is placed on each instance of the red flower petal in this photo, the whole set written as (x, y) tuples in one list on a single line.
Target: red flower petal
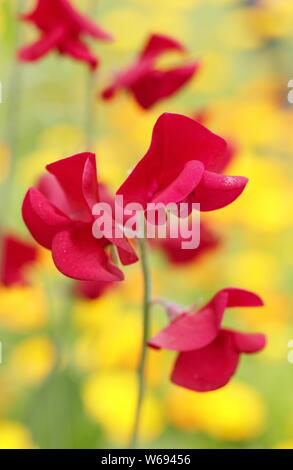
[(78, 255), (42, 218), (78, 50), (16, 256), (176, 140), (208, 368), (157, 44), (249, 342), (38, 49), (216, 191), (77, 177), (156, 85), (183, 185), (188, 332)]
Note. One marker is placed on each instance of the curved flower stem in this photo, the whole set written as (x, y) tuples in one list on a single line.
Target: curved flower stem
[(146, 321)]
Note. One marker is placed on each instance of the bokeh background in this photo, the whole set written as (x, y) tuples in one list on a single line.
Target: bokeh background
[(67, 378)]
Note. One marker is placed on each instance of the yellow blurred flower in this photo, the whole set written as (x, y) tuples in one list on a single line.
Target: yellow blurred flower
[(14, 435), (235, 412), (117, 345), (32, 360), (22, 308), (110, 399)]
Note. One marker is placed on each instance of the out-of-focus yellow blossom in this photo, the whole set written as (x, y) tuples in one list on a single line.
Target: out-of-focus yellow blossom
[(234, 31), (272, 19), (214, 74), (118, 346), (97, 314), (264, 205), (284, 445), (22, 308), (32, 360), (139, 23), (170, 4), (276, 311), (62, 140), (253, 270), (110, 399), (14, 435), (252, 123), (235, 412), (277, 341)]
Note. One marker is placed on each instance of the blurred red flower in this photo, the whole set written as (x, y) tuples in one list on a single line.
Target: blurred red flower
[(59, 216), (148, 84), (183, 164), (172, 247), (17, 255), (92, 289), (62, 28), (208, 354)]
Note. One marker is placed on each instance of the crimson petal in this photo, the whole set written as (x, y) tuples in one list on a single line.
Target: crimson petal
[(208, 368), (78, 255), (42, 218), (216, 191)]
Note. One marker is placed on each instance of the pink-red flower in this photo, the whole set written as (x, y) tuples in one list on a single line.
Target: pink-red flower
[(172, 247), (92, 289), (59, 216), (147, 83), (183, 164), (17, 256), (208, 354), (62, 28)]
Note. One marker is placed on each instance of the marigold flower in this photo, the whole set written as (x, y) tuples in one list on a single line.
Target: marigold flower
[(148, 84), (183, 164), (59, 216), (17, 255), (62, 28), (208, 354)]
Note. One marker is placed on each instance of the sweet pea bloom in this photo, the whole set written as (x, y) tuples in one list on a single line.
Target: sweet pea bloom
[(17, 256), (174, 252), (62, 28), (148, 84), (59, 216), (92, 289), (208, 354), (183, 164)]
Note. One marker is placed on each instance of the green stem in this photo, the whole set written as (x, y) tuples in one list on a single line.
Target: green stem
[(146, 322), (12, 97), (89, 124)]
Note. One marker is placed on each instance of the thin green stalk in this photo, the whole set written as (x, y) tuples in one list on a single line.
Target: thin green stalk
[(146, 323), (89, 124), (12, 95)]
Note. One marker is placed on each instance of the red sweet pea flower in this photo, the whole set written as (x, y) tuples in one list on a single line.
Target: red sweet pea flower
[(208, 354), (17, 255), (92, 289), (59, 216), (62, 28), (148, 84), (183, 164), (172, 247)]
